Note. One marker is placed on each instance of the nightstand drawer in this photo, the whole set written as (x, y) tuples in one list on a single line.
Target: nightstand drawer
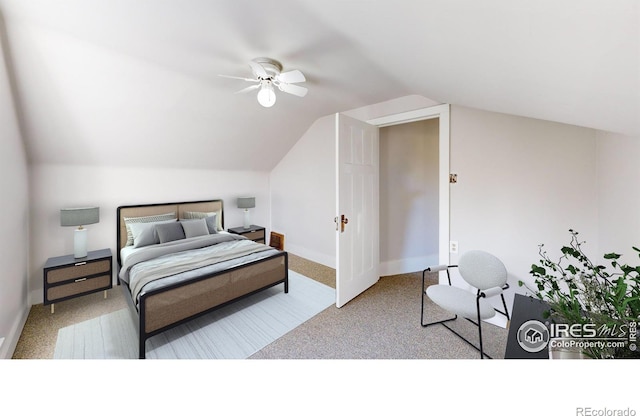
[(82, 285), (255, 235), (80, 269)]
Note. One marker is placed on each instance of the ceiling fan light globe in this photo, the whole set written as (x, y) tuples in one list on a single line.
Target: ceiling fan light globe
[(266, 97)]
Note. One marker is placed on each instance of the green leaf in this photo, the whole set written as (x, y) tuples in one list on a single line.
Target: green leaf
[(570, 251), (610, 256), (538, 270), (572, 269), (627, 269)]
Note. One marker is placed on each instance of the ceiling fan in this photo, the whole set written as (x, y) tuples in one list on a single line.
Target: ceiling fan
[(268, 74)]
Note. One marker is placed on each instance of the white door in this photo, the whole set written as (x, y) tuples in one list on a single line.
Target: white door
[(357, 214)]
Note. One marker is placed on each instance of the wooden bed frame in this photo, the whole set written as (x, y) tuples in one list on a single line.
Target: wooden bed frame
[(165, 308)]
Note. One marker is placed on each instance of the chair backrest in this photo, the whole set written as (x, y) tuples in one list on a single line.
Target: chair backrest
[(482, 270)]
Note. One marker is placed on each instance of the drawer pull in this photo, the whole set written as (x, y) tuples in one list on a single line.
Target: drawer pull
[(80, 280), (80, 264)]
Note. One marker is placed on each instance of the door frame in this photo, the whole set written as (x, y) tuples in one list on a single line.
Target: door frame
[(442, 112)]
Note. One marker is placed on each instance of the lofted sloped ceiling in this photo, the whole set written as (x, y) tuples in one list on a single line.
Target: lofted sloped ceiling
[(135, 82)]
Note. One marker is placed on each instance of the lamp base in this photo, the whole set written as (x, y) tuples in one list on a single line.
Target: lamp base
[(247, 219), (80, 243)]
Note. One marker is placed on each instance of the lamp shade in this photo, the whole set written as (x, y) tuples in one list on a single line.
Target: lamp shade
[(248, 202), (73, 217)]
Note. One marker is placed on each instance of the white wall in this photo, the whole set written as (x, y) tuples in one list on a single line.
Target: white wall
[(303, 195), (409, 197), (58, 186), (14, 213), (521, 182), (618, 196)]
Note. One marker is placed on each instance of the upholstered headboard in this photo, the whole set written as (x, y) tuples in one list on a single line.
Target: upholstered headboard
[(177, 208)]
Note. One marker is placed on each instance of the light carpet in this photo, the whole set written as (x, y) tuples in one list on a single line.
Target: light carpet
[(234, 332)]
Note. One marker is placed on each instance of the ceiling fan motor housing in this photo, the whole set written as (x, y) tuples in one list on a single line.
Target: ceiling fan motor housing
[(271, 66)]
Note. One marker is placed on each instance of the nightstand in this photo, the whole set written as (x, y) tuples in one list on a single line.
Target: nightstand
[(254, 232), (66, 277)]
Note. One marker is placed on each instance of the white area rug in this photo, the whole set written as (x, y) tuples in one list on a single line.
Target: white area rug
[(234, 332)]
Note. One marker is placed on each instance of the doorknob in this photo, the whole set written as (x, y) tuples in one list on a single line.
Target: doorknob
[(342, 220)]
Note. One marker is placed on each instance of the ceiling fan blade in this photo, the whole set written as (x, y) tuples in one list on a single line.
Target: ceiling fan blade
[(291, 77), (293, 89), (258, 70), (242, 78), (251, 88)]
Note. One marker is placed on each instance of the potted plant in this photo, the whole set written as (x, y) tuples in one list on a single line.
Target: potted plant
[(591, 301)]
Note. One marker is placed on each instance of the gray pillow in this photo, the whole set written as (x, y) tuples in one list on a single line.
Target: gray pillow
[(195, 228), (170, 232), (211, 220), (211, 224)]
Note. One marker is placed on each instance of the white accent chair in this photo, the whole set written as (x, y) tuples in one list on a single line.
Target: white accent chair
[(486, 274)]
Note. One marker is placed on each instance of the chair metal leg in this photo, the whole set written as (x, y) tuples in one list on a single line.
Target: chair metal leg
[(422, 323), (506, 311), (444, 321), (479, 325), (444, 324), (422, 305)]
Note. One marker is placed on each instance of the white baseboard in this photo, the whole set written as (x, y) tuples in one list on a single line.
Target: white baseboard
[(9, 342), (388, 268), (411, 265)]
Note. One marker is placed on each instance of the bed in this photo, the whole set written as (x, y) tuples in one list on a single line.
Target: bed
[(173, 271)]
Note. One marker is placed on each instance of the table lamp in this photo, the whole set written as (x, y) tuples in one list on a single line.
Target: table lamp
[(78, 217), (246, 203)]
